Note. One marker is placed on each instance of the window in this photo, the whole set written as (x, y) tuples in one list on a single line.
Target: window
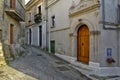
[(39, 9), (53, 21), (30, 17)]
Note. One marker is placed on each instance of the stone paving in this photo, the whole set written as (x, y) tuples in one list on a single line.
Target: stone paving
[(44, 66), (8, 73)]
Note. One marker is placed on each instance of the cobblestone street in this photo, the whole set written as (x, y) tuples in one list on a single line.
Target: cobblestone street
[(44, 66)]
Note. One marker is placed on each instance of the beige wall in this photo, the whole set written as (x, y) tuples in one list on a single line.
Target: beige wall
[(16, 30), (60, 32), (32, 7), (32, 11), (66, 25), (61, 11), (67, 22), (1, 13), (10, 49)]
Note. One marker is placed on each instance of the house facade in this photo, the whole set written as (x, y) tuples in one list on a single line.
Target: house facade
[(35, 24), (11, 25), (86, 33)]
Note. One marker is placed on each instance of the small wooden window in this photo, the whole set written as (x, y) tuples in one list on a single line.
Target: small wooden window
[(53, 21)]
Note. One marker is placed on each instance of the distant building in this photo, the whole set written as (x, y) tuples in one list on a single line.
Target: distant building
[(12, 17), (86, 33), (35, 24)]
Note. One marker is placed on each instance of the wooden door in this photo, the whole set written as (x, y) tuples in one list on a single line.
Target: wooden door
[(30, 36), (40, 36), (12, 4), (11, 33), (83, 44), (52, 45)]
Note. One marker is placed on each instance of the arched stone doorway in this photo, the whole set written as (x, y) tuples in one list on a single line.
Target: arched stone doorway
[(83, 44)]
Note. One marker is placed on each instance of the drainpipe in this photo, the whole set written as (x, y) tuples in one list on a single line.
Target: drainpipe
[(118, 47), (118, 40), (103, 13), (47, 28)]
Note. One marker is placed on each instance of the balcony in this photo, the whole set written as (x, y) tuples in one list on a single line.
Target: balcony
[(37, 18), (15, 9)]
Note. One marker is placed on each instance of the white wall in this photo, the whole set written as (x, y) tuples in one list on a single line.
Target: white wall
[(109, 36)]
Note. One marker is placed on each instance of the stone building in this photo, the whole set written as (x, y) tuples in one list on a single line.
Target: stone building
[(35, 23), (11, 27), (86, 33)]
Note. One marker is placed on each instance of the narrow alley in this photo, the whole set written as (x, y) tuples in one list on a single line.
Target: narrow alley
[(43, 66), (59, 40)]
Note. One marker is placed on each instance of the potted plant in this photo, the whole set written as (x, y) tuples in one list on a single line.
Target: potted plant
[(110, 60)]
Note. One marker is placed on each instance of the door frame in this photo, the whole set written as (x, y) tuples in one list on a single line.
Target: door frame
[(93, 43)]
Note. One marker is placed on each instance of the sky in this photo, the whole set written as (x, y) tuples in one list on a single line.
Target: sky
[(26, 1)]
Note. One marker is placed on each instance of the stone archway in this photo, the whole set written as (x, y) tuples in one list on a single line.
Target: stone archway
[(93, 42)]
